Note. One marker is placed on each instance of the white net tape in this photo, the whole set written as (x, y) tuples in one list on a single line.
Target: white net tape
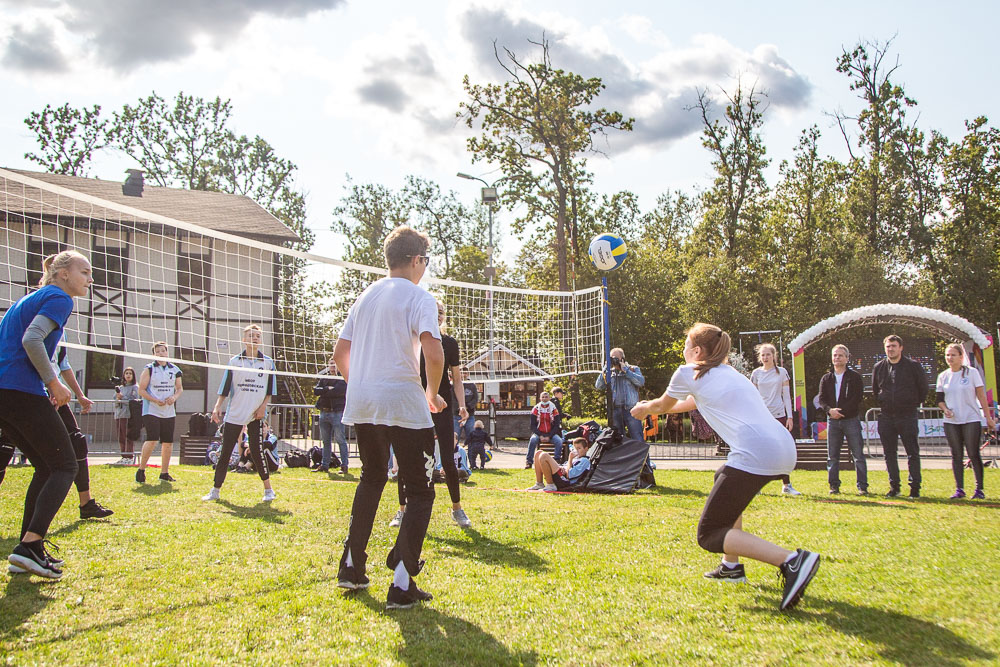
[(161, 279)]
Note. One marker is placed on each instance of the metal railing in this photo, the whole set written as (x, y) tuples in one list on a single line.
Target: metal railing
[(930, 435)]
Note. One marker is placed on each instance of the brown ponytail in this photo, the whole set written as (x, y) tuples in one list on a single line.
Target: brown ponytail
[(714, 344)]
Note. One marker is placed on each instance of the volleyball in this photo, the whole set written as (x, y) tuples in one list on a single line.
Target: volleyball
[(607, 252)]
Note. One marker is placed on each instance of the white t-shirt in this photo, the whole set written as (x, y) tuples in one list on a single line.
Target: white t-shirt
[(838, 379), (248, 387), (960, 395), (384, 327), (732, 406), (162, 381), (770, 384)]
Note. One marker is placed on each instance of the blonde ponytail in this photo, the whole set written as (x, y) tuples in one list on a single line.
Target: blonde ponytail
[(714, 343)]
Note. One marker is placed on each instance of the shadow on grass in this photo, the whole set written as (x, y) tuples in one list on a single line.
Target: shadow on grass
[(859, 500), (669, 491), (476, 546), (897, 637), (155, 489), (263, 511), (23, 597), (431, 637)]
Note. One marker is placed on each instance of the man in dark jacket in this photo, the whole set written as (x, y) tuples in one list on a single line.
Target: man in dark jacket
[(900, 387), (331, 395), (840, 393)]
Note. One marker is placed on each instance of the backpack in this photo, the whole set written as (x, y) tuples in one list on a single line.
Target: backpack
[(297, 458), (198, 424), (316, 456)]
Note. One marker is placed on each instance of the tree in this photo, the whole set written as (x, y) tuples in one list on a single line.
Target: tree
[(67, 137)]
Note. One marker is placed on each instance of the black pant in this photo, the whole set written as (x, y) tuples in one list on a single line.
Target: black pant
[(903, 427), (414, 450), (968, 436), (733, 491), (32, 422), (79, 441), (444, 428), (477, 449), (230, 434)]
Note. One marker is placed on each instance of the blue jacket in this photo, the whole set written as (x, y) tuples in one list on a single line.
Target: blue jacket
[(624, 385)]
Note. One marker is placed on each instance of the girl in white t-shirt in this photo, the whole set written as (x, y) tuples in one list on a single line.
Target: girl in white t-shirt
[(773, 384), (761, 450), (961, 395)]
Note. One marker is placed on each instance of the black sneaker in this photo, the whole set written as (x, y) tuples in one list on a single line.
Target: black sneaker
[(165, 477), (321, 469), (797, 574), (893, 493), (914, 491), (734, 575), (94, 510), (400, 599), (32, 558), (58, 562), (350, 579), (140, 476)]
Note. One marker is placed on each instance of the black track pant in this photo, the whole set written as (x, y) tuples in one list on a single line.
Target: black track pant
[(414, 450), (31, 422), (733, 491), (79, 441), (230, 434), (968, 436), (444, 428)]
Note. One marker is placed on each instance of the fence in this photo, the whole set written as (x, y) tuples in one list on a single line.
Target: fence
[(931, 439)]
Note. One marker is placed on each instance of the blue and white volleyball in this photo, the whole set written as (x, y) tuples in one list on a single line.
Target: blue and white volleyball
[(608, 252)]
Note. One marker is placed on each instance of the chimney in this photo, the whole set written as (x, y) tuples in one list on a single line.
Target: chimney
[(133, 184)]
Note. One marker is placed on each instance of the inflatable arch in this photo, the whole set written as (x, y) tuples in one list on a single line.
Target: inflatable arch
[(978, 344)]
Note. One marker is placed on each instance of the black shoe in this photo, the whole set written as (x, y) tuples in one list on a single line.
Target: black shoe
[(343, 470), (893, 493), (734, 575), (834, 492), (914, 491), (32, 558), (862, 492), (94, 510), (140, 476), (797, 574), (400, 599), (350, 579), (165, 477), (321, 469)]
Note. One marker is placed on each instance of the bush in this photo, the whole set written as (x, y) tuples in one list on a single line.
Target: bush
[(571, 423)]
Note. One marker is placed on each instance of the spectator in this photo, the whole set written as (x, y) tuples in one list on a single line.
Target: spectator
[(544, 428), (959, 388), (476, 442), (625, 382), (557, 397), (840, 393), (127, 391), (332, 394), (899, 385), (464, 426), (773, 384), (557, 477)]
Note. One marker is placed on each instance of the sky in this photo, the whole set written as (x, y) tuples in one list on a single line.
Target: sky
[(371, 89)]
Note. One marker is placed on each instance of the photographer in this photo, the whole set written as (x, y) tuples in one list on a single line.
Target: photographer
[(625, 382)]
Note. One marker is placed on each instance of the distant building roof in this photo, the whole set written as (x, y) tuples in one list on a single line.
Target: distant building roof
[(218, 211)]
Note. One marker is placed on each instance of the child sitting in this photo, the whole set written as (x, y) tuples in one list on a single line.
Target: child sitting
[(557, 477), (476, 442)]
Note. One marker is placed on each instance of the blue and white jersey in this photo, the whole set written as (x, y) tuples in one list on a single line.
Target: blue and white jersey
[(247, 387), (162, 383)]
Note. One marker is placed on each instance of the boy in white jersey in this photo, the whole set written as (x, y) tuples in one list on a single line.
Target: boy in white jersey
[(159, 387), (249, 390)]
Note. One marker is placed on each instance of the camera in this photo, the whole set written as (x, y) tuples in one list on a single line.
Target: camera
[(117, 382)]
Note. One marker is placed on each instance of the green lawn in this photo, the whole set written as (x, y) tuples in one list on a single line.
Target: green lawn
[(554, 579)]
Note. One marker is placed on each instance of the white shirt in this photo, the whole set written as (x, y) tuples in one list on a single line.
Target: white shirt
[(960, 395), (247, 388), (384, 327), (772, 387), (162, 386), (838, 379), (731, 405)]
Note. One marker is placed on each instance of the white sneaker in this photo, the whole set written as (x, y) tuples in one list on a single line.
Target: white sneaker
[(269, 495), (789, 490), (537, 487), (211, 495), (396, 520), (461, 518), (549, 488)]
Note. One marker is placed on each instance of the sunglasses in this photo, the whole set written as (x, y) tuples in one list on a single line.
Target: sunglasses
[(424, 258)]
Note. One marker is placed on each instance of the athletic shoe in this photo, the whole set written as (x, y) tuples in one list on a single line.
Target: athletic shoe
[(34, 560), (893, 493), (862, 492), (915, 492), (122, 462), (140, 476), (789, 490), (94, 510), (343, 470), (797, 573), (834, 492), (58, 562), (321, 469), (527, 466), (461, 518), (211, 495), (549, 488), (396, 520), (538, 486), (979, 495), (165, 477), (400, 599), (959, 493), (269, 495), (735, 575), (350, 579)]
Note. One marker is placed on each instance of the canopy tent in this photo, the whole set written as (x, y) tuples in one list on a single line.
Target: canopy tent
[(978, 344)]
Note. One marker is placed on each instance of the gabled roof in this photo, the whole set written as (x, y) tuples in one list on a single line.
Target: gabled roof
[(218, 211), (517, 366)]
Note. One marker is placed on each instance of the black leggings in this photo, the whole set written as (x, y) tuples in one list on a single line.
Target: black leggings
[(968, 436), (230, 434), (33, 423), (444, 428), (733, 491)]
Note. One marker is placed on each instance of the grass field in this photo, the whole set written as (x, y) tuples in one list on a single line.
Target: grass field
[(541, 579)]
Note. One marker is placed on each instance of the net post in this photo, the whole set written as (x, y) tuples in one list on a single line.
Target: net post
[(607, 348)]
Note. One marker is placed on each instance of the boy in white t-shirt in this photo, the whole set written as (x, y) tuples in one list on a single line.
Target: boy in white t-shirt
[(760, 450), (377, 353)]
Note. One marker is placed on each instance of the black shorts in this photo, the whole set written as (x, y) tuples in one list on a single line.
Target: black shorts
[(158, 429), (562, 484), (733, 491)]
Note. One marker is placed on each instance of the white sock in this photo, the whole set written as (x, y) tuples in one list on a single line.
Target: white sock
[(728, 564), (791, 556), (350, 561), (401, 578)]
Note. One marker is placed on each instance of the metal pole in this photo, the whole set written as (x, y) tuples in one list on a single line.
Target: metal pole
[(607, 348), (492, 372)]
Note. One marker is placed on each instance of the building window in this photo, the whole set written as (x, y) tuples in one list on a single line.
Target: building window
[(110, 266), (101, 367), (193, 272), (195, 377), (39, 249)]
